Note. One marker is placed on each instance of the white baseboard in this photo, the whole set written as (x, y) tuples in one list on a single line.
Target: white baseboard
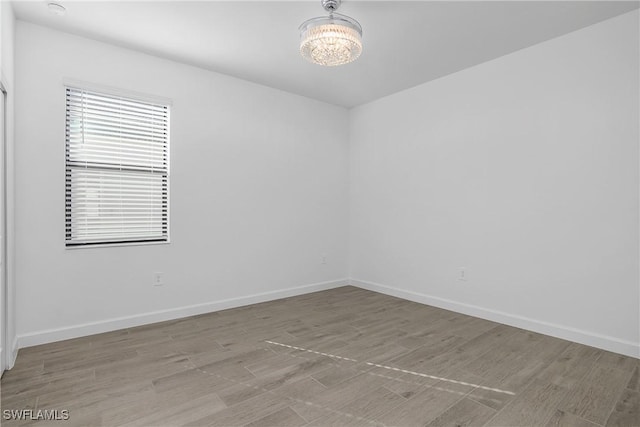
[(11, 353), (604, 342), (615, 345), (14, 353), (60, 334)]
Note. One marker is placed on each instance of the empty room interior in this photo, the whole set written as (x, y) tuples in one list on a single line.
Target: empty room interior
[(320, 213)]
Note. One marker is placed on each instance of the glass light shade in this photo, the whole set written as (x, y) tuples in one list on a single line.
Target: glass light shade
[(330, 41)]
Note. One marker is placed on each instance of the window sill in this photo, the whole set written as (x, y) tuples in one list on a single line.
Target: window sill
[(115, 245)]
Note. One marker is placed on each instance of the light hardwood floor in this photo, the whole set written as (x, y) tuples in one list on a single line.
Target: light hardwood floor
[(344, 357)]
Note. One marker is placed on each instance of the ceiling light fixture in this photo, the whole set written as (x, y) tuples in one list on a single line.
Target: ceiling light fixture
[(57, 9), (331, 40)]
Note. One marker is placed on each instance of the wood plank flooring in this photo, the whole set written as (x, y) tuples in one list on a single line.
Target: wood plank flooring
[(343, 357)]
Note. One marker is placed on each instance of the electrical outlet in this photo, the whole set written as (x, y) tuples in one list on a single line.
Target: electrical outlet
[(462, 274), (324, 259), (158, 279)]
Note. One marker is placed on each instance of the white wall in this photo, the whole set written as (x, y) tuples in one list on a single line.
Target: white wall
[(259, 191), (7, 31), (524, 170)]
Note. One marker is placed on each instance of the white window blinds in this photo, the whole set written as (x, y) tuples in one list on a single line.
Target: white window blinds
[(117, 169)]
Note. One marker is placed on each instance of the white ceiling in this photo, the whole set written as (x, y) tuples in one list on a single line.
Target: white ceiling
[(405, 43)]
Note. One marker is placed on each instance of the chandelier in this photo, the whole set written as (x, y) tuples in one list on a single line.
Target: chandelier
[(331, 40)]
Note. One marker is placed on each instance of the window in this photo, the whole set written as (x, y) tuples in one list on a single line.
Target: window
[(117, 169)]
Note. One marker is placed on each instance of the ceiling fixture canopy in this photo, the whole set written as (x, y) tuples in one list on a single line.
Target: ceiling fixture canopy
[(57, 9), (331, 40)]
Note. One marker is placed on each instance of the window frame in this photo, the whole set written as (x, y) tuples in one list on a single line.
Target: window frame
[(134, 96)]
